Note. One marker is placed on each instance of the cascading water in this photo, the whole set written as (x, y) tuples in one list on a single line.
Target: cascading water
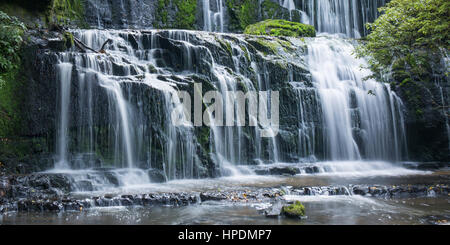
[(126, 98), (340, 16), (308, 107), (213, 18), (116, 128), (362, 118), (289, 5), (65, 76)]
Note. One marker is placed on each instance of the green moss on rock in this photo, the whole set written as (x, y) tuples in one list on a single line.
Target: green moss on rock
[(65, 12), (295, 210), (281, 28)]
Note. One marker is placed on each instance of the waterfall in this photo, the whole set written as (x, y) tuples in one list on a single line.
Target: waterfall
[(347, 17), (308, 106), (126, 111), (112, 120), (123, 117), (213, 18), (65, 76), (289, 4), (361, 117)]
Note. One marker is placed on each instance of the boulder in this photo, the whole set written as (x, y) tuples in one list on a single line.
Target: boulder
[(295, 210)]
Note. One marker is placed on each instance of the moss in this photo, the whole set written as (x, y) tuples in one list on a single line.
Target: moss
[(152, 68), (20, 147), (287, 46), (66, 12), (225, 45), (68, 39), (10, 97), (243, 48), (203, 134), (242, 13), (295, 210), (161, 17), (31, 17), (271, 9), (241, 86), (185, 16), (267, 47), (10, 76), (281, 28)]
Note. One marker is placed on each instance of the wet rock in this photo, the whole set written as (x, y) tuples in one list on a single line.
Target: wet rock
[(83, 185), (124, 201), (426, 165), (156, 176), (52, 206), (312, 170), (274, 211), (295, 210), (357, 190), (377, 190), (112, 178), (278, 171), (210, 196)]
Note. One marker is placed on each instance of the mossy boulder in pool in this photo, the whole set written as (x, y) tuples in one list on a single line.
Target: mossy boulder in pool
[(281, 28), (295, 210)]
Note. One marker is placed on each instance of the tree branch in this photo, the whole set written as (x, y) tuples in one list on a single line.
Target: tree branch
[(84, 47)]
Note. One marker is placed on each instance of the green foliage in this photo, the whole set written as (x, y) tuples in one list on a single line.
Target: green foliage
[(271, 9), (11, 32), (161, 17), (185, 16), (242, 13), (63, 12), (294, 210), (281, 28), (408, 34)]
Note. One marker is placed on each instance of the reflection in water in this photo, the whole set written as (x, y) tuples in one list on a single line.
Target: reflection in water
[(341, 209), (320, 210)]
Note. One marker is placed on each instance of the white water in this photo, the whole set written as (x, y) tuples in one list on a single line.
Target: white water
[(213, 20), (352, 106), (346, 17), (65, 76), (124, 116), (358, 125)]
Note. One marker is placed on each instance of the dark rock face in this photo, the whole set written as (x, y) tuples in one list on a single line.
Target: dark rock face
[(427, 115), (40, 186), (156, 176), (278, 171), (120, 14)]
